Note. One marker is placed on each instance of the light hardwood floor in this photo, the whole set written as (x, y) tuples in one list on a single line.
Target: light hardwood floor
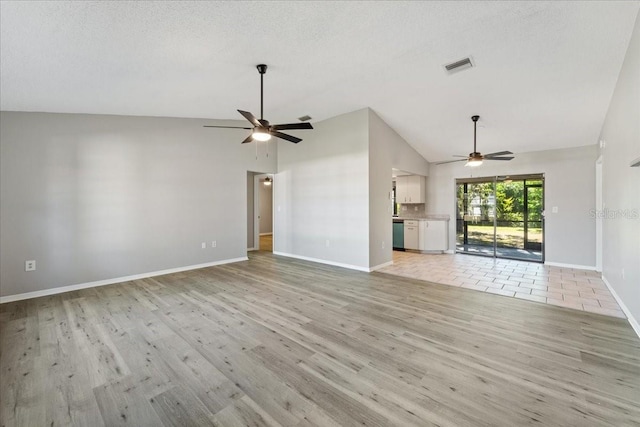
[(266, 243), (277, 341)]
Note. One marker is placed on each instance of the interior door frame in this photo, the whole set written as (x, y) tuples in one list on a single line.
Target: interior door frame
[(599, 208)]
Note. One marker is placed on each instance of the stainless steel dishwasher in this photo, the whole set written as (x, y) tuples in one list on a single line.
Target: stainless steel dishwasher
[(398, 234)]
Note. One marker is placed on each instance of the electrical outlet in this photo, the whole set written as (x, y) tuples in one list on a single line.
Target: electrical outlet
[(204, 245), (327, 243), (621, 273), (383, 244), (30, 265), (214, 244), (554, 209)]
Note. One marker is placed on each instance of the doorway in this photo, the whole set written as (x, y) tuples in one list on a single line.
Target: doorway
[(501, 216), (263, 212)]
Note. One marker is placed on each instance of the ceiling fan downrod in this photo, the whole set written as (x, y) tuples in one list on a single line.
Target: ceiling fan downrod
[(262, 68), (475, 122)]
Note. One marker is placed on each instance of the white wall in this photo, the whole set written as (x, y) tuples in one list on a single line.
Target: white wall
[(321, 192), (335, 186), (569, 185), (93, 197), (387, 150), (621, 183), (266, 208)]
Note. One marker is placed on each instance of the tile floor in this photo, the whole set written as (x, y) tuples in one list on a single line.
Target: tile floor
[(565, 287)]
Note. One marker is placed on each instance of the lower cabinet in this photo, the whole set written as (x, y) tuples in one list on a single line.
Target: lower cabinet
[(411, 234), (433, 235)]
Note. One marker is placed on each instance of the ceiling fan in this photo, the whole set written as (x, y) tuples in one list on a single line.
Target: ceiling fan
[(475, 158), (262, 130)]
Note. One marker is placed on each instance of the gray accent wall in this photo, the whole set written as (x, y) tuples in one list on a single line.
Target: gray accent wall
[(621, 183), (94, 197), (569, 185)]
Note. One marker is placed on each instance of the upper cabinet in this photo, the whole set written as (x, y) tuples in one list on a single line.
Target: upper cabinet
[(410, 189)]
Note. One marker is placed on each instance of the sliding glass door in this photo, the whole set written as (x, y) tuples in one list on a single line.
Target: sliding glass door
[(501, 216)]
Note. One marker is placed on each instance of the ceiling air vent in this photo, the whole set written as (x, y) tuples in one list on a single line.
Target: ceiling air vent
[(304, 118), (460, 65)]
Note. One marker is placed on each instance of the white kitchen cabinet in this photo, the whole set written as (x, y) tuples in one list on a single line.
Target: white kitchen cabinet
[(411, 234), (410, 189), (433, 235)]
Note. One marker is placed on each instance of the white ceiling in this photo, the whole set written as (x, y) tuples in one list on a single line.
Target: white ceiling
[(544, 74)]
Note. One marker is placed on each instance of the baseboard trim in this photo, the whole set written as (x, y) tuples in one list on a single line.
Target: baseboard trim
[(576, 266), (632, 320), (62, 289), (251, 249), (266, 234), (379, 266), (323, 261)]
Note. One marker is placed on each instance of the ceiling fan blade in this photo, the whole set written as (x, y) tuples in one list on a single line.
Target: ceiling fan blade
[(452, 161), (248, 139), (456, 155), (285, 136), (225, 127), (252, 119), (499, 153), (498, 158), (292, 126)]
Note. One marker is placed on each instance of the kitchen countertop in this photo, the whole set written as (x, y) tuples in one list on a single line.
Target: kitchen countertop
[(428, 217)]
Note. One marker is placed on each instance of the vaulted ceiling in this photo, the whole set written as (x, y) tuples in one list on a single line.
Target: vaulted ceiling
[(543, 77)]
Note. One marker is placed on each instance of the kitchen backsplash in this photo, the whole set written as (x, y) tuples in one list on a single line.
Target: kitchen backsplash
[(411, 211)]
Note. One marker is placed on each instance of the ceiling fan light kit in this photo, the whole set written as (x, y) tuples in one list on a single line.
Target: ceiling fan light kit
[(260, 135), (262, 130), (476, 158)]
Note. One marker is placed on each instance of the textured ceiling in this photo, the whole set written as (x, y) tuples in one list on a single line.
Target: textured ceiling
[(544, 74)]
